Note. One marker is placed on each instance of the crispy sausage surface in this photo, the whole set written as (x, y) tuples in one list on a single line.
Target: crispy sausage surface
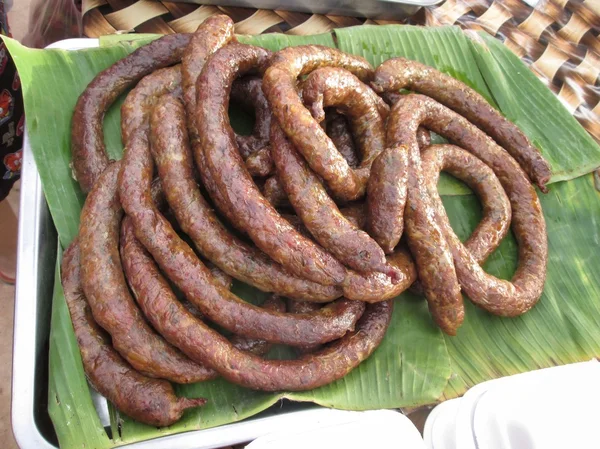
[(184, 268), (496, 209), (319, 212), (197, 219), (366, 111), (399, 73), (269, 231), (386, 197), (427, 244), (214, 32), (528, 224), (279, 86), (107, 293), (87, 137), (156, 298), (205, 345), (151, 401)]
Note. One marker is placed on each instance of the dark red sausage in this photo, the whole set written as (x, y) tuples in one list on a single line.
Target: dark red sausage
[(205, 345), (212, 34), (400, 73), (150, 401), (320, 214), (529, 227), (185, 270), (386, 197), (496, 213), (156, 298), (366, 111), (271, 233), (107, 293), (497, 296), (424, 236), (87, 137), (279, 86), (197, 219)]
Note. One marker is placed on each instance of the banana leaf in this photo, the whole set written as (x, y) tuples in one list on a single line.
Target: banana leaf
[(416, 364)]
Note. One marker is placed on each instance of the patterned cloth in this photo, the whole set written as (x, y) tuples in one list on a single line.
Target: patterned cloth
[(12, 117)]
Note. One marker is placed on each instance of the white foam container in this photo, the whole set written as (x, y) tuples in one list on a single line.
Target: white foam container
[(545, 409)]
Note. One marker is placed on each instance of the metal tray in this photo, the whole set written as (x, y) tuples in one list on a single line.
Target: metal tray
[(37, 248), (372, 9)]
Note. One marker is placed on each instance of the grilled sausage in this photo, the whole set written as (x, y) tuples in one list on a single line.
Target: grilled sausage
[(271, 233), (386, 197), (499, 297), (205, 345), (212, 34), (87, 137), (496, 214), (185, 270), (197, 219), (320, 214), (150, 401), (156, 298), (424, 236), (279, 86), (399, 73), (107, 293)]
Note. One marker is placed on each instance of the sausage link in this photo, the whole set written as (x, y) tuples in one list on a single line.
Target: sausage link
[(147, 400), (271, 233), (107, 293), (248, 92), (500, 297), (204, 344), (151, 294), (335, 87), (186, 271), (320, 214), (386, 197), (424, 236), (213, 33), (279, 86), (496, 214), (156, 298), (197, 219), (529, 227), (400, 73), (87, 136)]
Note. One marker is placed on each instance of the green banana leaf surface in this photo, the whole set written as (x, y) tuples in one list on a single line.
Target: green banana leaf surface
[(416, 364)]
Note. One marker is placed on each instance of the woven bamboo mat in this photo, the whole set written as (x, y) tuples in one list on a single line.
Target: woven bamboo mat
[(558, 39)]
